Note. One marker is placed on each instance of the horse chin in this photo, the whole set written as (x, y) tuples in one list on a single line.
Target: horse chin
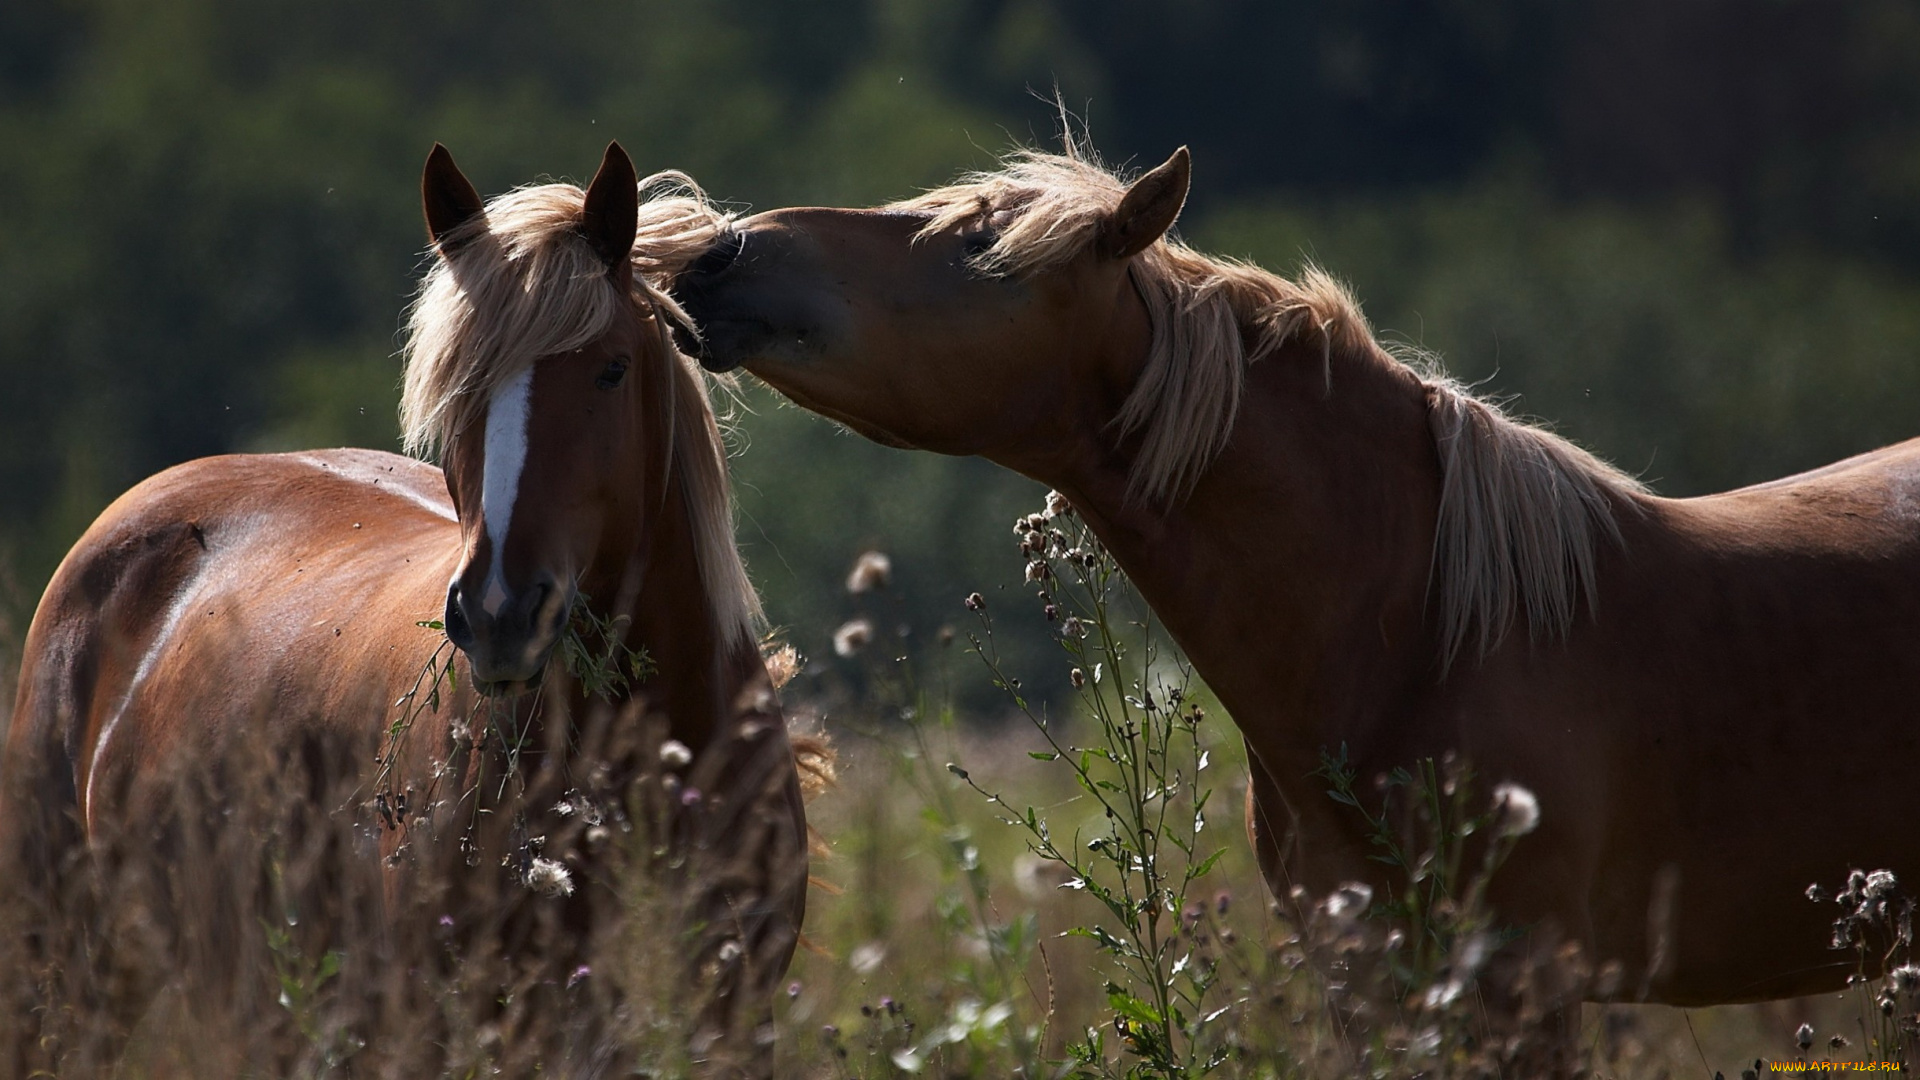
[(510, 686)]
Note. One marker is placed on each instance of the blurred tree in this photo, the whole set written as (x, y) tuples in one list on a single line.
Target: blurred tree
[(1689, 231)]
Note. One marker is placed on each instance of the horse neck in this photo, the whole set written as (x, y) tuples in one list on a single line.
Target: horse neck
[(703, 669), (1295, 574)]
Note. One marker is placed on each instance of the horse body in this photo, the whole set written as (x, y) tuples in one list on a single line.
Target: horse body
[(1722, 675), (265, 625), (1701, 692), (204, 598)]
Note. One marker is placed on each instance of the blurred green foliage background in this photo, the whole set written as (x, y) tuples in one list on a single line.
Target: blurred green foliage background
[(1688, 232)]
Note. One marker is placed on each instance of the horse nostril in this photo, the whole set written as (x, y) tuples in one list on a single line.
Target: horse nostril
[(455, 620), (544, 613)]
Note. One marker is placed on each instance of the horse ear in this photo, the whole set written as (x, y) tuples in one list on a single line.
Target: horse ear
[(448, 196), (1148, 209), (613, 210)]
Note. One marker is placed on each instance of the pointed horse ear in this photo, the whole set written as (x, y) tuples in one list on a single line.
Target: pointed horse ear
[(1148, 209), (612, 214), (448, 196)]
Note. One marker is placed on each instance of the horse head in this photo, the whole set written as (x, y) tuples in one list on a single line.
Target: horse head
[(553, 407)]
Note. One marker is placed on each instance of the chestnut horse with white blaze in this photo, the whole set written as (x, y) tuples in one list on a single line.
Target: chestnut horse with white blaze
[(1712, 697), (279, 597)]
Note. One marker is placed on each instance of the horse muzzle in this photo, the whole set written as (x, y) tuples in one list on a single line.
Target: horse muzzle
[(509, 646)]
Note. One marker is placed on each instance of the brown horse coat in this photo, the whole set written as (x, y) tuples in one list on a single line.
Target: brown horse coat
[(276, 601), (1713, 698)]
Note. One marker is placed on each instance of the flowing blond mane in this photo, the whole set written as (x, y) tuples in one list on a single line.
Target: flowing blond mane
[(523, 283), (1520, 507)]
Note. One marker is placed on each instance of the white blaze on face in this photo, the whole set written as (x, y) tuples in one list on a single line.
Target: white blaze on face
[(506, 455)]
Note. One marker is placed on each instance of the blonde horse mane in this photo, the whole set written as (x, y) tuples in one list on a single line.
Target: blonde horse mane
[(1519, 506), (523, 283)]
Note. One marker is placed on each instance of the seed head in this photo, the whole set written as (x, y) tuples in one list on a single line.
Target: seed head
[(976, 602), (853, 635), (549, 878), (1880, 884), (1906, 978), (872, 570), (675, 755), (1073, 627), (1519, 811), (1348, 901), (1804, 1036), (1037, 570), (1057, 504), (1077, 677), (1856, 886)]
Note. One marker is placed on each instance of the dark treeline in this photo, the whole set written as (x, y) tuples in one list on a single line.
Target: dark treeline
[(1689, 232)]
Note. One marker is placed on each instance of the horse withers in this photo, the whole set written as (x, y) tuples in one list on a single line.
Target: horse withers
[(263, 631), (1705, 693)]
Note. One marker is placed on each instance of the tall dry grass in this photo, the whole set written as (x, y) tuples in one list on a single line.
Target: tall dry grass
[(249, 930)]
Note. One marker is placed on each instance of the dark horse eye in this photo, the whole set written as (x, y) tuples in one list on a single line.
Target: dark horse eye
[(616, 371)]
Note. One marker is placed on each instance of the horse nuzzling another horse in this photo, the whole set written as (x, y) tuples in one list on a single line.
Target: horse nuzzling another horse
[(1355, 551), (277, 602)]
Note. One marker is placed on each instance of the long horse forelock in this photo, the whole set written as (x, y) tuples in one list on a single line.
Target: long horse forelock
[(1057, 204), (530, 285)]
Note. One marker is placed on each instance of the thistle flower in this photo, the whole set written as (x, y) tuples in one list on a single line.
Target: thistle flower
[(1057, 504), (1519, 811), (1073, 627), (1037, 570), (675, 755), (872, 570), (853, 636), (549, 878)]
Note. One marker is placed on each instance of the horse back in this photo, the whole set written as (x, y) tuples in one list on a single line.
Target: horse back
[(180, 611)]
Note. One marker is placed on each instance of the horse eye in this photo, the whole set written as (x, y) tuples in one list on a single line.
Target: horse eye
[(610, 378), (978, 242)]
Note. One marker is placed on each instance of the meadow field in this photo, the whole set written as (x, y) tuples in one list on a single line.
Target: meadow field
[(1060, 886)]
